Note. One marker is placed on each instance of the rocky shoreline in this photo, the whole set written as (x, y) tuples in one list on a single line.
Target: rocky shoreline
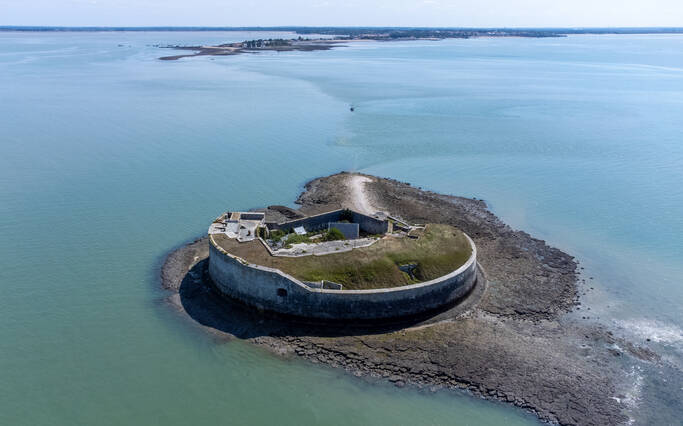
[(240, 48), (509, 340)]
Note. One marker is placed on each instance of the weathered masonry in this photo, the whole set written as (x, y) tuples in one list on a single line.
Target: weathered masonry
[(367, 224), (272, 290)]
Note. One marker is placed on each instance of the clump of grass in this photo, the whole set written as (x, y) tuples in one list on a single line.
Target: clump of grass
[(298, 239), (333, 234), (346, 216), (276, 235)]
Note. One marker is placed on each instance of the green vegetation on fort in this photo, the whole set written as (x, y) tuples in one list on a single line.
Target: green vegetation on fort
[(333, 234), (438, 250), (277, 235)]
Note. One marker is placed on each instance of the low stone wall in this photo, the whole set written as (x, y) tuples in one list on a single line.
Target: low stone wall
[(350, 231), (317, 222), (311, 223), (370, 224), (273, 290)]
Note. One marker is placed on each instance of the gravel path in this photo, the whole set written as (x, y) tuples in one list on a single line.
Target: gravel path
[(358, 198)]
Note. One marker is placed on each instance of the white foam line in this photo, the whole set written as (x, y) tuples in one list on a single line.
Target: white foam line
[(654, 330)]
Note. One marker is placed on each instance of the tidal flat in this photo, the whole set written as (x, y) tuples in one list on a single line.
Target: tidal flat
[(510, 339)]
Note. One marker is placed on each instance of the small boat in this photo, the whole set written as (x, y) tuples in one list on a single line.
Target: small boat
[(352, 109)]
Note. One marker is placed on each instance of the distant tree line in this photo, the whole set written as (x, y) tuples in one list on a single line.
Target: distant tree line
[(396, 32), (261, 43), (445, 32), (408, 33)]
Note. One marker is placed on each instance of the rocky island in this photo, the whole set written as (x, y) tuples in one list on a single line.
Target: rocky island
[(327, 38), (254, 46), (509, 338)]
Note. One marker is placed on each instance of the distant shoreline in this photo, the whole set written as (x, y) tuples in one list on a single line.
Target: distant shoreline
[(327, 38), (339, 36), (348, 30)]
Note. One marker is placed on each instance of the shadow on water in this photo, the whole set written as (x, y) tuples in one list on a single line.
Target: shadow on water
[(204, 304)]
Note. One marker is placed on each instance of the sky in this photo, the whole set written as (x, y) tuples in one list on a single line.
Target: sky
[(423, 13)]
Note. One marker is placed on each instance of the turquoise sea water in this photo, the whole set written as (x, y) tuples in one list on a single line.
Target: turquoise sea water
[(109, 158)]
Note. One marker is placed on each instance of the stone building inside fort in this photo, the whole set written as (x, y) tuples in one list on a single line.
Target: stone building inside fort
[(310, 234)]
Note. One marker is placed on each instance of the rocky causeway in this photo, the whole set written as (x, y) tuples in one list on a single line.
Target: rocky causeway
[(511, 339)]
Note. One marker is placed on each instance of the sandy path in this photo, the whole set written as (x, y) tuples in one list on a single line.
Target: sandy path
[(357, 196)]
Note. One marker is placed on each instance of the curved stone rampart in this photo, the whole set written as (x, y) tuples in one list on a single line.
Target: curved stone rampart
[(273, 290)]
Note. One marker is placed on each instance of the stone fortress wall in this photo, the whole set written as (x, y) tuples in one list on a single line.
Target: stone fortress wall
[(366, 223), (273, 290)]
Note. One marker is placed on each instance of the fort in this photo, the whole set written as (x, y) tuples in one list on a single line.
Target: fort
[(339, 264)]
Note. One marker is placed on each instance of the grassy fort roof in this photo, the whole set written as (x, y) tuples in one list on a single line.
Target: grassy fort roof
[(421, 255), (339, 264)]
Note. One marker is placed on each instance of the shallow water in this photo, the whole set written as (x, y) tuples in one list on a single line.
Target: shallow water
[(109, 157)]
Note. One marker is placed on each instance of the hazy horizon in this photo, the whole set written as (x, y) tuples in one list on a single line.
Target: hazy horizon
[(271, 27), (355, 13)]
